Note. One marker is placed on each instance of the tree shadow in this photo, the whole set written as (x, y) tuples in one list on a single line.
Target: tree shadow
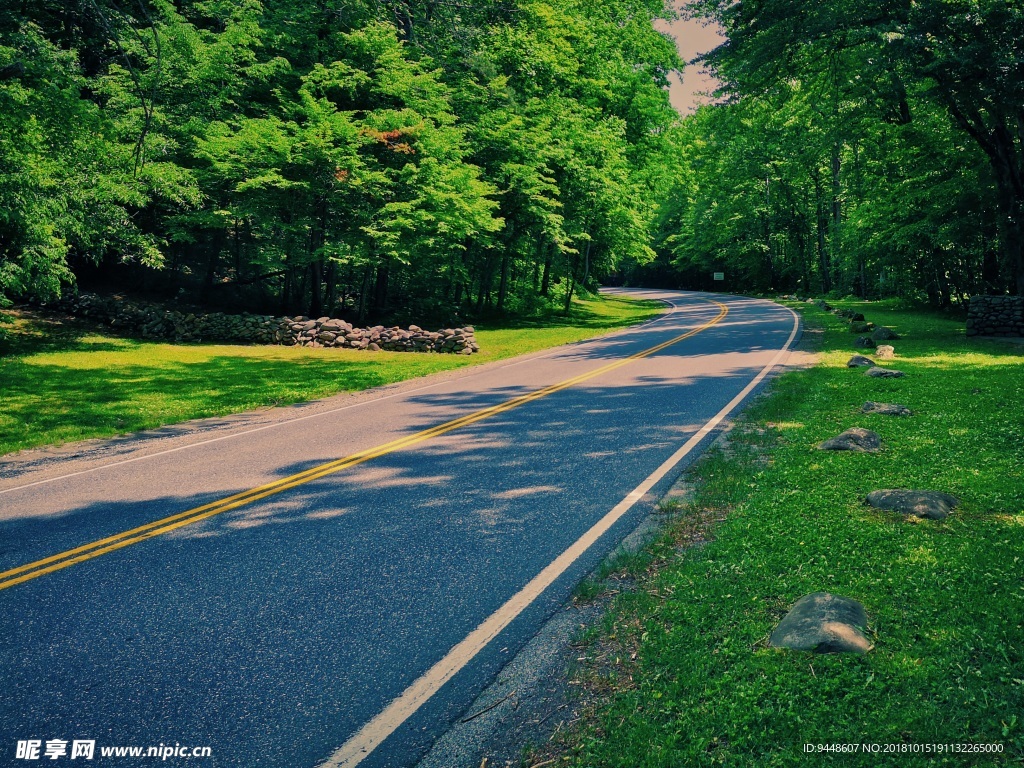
[(29, 332), (46, 404)]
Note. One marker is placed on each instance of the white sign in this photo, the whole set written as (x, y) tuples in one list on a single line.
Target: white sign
[(719, 275)]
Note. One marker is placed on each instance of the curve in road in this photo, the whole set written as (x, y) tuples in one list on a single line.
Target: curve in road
[(352, 616)]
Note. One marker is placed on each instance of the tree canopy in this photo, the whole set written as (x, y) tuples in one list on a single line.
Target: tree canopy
[(859, 147), (369, 157), (436, 158)]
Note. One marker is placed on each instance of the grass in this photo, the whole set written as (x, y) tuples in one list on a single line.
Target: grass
[(61, 382), (693, 681)]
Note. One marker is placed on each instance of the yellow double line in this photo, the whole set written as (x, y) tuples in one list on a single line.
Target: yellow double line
[(94, 549)]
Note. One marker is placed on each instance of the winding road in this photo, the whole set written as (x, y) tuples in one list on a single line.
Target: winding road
[(334, 586)]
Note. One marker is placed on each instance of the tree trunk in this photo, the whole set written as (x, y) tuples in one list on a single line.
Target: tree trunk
[(1011, 239), (545, 281), (586, 264), (485, 285), (1006, 156), (332, 287), (363, 293), (503, 283), (570, 284), (380, 288), (316, 298), (837, 211)]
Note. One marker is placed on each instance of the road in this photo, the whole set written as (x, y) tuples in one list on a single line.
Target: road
[(335, 588)]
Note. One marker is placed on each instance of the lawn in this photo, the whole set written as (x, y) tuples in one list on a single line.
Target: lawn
[(680, 674), (61, 382)]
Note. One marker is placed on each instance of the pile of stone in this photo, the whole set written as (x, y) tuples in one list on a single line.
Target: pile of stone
[(995, 316), (154, 322), (328, 332)]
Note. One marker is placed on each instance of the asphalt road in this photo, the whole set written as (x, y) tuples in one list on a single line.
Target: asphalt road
[(281, 629)]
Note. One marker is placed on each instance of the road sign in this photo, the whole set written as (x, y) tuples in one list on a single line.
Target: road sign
[(719, 275)]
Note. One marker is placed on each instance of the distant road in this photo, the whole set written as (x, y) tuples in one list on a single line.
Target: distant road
[(335, 589)]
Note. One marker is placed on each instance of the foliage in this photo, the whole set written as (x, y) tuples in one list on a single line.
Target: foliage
[(867, 148), (393, 159)]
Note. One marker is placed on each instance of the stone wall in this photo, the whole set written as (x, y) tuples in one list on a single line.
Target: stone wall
[(154, 322), (995, 316)]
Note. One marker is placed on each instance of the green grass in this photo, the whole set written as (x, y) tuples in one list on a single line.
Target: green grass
[(693, 681), (61, 382)]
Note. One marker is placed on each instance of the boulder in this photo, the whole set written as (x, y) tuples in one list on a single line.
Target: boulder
[(823, 623), (864, 342), (854, 439), (859, 361), (886, 409), (885, 352), (884, 334), (884, 373), (931, 504), (859, 326)]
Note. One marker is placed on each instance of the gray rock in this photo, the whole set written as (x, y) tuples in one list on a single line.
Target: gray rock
[(854, 439), (885, 352), (886, 409), (884, 373), (884, 334), (859, 327), (823, 623), (931, 504), (859, 361), (864, 342), (373, 347)]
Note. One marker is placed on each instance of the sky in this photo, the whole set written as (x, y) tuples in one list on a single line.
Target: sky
[(692, 38)]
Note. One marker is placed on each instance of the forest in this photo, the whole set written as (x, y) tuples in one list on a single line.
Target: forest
[(420, 159), (863, 147)]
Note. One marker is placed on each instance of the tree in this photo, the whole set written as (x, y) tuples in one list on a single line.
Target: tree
[(965, 55)]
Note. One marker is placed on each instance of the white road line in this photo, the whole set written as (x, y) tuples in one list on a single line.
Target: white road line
[(371, 735), (673, 308)]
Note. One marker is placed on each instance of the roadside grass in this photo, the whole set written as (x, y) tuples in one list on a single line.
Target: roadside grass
[(65, 381), (679, 672)]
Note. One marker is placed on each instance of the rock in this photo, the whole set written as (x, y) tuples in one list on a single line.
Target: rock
[(884, 373), (931, 504), (859, 361), (857, 317), (885, 352), (156, 322), (373, 346), (859, 327), (823, 623), (854, 439), (884, 334), (886, 409), (864, 342)]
